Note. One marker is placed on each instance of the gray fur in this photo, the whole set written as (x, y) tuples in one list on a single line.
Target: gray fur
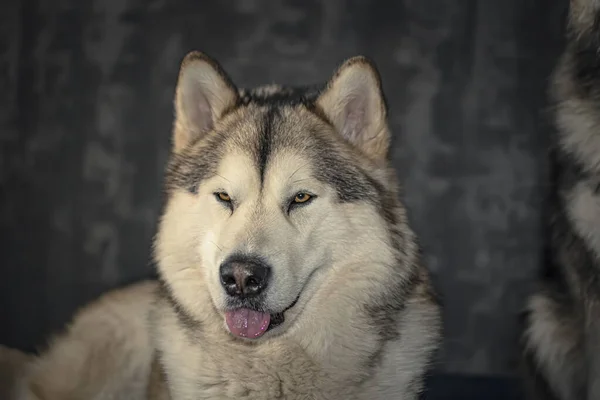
[(562, 337)]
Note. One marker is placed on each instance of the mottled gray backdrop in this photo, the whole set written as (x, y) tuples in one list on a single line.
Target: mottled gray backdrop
[(85, 116)]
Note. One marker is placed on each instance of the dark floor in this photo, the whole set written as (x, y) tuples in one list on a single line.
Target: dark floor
[(461, 387)]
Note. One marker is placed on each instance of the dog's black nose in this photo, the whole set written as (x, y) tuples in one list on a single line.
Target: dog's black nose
[(244, 277)]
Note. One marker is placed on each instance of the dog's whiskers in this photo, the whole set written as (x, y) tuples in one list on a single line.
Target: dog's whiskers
[(221, 176), (216, 245), (182, 270), (300, 180), (299, 168)]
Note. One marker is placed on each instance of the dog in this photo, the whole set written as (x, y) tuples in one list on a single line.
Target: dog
[(562, 332), (287, 267)]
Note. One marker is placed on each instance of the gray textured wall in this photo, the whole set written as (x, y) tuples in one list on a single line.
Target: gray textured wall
[(85, 114)]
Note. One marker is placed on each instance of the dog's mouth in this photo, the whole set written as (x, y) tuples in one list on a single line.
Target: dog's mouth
[(252, 324)]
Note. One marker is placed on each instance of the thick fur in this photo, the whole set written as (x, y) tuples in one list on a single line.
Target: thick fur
[(13, 369), (360, 318), (105, 353), (562, 337)]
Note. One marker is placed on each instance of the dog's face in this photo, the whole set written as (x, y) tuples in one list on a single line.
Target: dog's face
[(268, 193)]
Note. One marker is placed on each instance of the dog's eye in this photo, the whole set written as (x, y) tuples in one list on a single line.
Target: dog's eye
[(223, 197), (302, 197)]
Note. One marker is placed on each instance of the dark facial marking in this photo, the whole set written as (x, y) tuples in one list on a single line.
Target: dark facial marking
[(265, 142), (350, 182), (190, 167)]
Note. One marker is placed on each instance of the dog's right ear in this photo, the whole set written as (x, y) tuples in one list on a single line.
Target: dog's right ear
[(353, 101), (204, 92)]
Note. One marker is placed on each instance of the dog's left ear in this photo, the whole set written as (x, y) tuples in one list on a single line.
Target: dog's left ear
[(353, 101)]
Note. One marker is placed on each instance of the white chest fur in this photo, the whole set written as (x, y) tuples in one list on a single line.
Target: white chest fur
[(220, 368)]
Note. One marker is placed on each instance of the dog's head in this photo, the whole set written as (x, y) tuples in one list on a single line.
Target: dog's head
[(271, 192)]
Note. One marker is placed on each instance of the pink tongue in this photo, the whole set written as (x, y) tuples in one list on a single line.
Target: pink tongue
[(247, 323)]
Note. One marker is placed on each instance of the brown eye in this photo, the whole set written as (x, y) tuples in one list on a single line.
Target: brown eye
[(302, 198), (224, 197)]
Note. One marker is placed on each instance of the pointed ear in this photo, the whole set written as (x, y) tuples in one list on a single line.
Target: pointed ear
[(353, 101), (204, 92)]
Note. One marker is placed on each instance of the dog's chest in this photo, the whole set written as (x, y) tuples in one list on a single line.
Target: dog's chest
[(221, 372), (201, 366)]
